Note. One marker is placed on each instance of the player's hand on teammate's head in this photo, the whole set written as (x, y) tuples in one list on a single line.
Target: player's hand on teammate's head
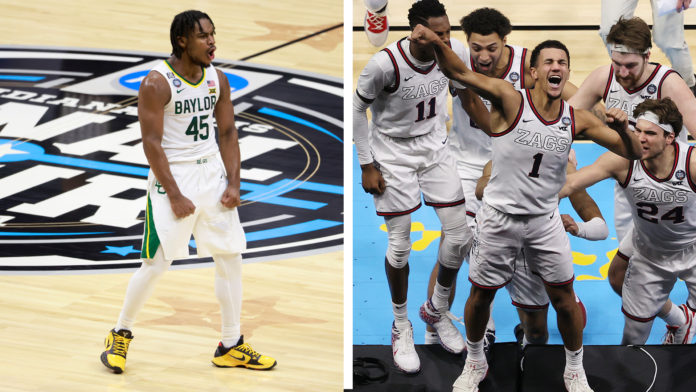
[(617, 119), (423, 35)]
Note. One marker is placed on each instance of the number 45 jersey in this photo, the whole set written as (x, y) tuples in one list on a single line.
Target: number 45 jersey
[(189, 131), (664, 210), (529, 161)]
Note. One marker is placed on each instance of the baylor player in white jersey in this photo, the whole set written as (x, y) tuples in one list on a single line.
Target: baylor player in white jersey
[(502, 235), (191, 187), (660, 189), (403, 153)]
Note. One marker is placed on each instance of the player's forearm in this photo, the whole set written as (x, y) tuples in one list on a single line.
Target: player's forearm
[(361, 130), (159, 164), (450, 64), (231, 156)]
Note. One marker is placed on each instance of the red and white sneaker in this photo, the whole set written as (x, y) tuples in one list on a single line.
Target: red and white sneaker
[(376, 27), (404, 350), (681, 334), (473, 373)]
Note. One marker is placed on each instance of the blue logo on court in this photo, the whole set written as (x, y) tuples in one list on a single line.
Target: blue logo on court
[(133, 80)]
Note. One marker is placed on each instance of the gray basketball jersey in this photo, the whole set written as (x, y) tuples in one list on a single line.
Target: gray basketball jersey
[(664, 209), (529, 161), (471, 146), (416, 103)]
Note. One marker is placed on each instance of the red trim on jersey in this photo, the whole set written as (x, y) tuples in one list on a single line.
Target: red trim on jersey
[(509, 65), (524, 61), (559, 283), (626, 180), (609, 80), (572, 122), (671, 173), (396, 70), (514, 123), (642, 86), (622, 256), (534, 307), (471, 214), (531, 105), (688, 170), (451, 204), (640, 319), (489, 287), (380, 213), (659, 85), (410, 64)]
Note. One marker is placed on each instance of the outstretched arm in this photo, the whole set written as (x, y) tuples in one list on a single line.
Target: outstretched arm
[(606, 166), (618, 139), (498, 91), (474, 107)]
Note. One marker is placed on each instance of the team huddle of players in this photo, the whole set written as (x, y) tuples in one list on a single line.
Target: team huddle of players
[(495, 179)]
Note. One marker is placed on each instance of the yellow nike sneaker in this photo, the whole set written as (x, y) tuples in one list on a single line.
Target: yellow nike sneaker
[(116, 349), (242, 355)]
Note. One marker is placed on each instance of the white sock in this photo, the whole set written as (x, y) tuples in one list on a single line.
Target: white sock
[(140, 287), (440, 296), (228, 290), (475, 350), (675, 316), (400, 315), (573, 359), (375, 5)]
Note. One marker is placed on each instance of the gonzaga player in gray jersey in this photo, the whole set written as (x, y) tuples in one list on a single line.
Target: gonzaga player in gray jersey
[(625, 83), (402, 154), (536, 129), (660, 189)]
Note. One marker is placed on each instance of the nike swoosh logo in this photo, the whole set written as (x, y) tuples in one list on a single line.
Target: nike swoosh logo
[(525, 121), (178, 91), (239, 359), (409, 78), (445, 141), (636, 179), (613, 91)]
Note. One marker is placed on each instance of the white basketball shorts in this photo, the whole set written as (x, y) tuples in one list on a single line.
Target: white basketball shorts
[(216, 228)]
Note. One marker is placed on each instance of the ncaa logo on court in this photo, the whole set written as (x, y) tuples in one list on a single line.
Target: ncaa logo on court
[(73, 174)]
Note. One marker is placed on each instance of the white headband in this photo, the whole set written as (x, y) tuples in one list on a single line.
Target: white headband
[(625, 49), (652, 117)]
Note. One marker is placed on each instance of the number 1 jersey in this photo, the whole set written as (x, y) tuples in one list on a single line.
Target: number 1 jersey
[(529, 161)]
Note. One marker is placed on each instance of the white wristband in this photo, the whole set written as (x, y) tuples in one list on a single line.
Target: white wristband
[(594, 230)]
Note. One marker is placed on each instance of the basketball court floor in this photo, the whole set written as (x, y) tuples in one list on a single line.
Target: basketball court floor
[(72, 194)]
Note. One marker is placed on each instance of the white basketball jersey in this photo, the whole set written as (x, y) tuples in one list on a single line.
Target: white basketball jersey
[(616, 96), (469, 144), (529, 161), (664, 209), (416, 103), (189, 130)]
